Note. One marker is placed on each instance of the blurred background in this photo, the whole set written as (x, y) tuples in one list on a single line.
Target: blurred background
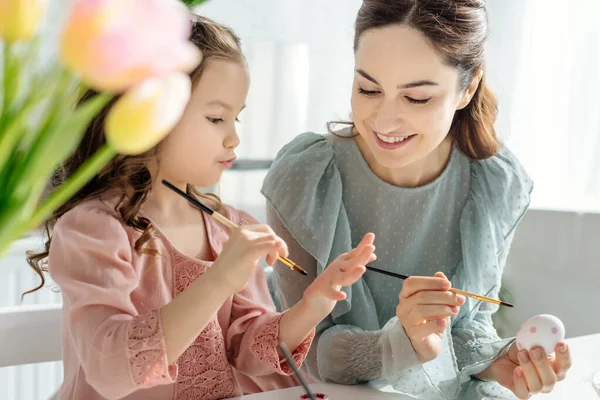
[(544, 65)]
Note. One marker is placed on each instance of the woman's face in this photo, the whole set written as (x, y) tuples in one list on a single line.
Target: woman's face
[(404, 96)]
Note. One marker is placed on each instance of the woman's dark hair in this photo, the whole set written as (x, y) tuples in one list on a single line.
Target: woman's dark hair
[(457, 30)]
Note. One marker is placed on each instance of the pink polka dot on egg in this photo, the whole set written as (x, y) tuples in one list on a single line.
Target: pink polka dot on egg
[(542, 330)]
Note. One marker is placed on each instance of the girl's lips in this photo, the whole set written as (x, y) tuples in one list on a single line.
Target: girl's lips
[(227, 163)]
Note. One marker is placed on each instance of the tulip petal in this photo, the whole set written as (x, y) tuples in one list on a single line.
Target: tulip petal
[(19, 19), (144, 115), (117, 44)]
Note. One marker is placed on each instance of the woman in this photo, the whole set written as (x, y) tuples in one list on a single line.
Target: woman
[(421, 167)]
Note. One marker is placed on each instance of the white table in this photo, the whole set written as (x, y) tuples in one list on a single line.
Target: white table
[(585, 351), (335, 392)]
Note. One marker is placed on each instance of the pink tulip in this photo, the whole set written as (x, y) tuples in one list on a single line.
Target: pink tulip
[(115, 44)]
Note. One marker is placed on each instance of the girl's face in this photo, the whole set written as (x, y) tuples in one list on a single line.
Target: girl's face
[(404, 96), (203, 143)]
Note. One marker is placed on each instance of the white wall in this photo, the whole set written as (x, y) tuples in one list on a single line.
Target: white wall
[(554, 268), (326, 28)]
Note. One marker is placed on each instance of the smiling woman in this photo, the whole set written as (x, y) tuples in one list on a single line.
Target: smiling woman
[(421, 167)]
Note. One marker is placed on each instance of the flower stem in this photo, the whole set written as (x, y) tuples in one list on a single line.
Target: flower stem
[(75, 183), (5, 83)]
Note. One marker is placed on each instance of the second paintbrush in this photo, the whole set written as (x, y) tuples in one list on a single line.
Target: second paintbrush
[(453, 290)]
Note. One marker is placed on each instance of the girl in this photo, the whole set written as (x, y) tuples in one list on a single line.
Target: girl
[(420, 166), (159, 301)]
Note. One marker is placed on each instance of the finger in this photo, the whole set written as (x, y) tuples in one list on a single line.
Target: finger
[(440, 274), (349, 276), (265, 232), (274, 253), (267, 249), (438, 297), (283, 248), (332, 293), (351, 254), (428, 328), (521, 390), (262, 228), (255, 233), (544, 369), (563, 360), (360, 257), (372, 258), (426, 312), (415, 284), (368, 239), (534, 384), (363, 257)]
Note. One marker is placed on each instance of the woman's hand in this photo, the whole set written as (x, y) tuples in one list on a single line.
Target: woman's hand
[(322, 295), (424, 307), (526, 373)]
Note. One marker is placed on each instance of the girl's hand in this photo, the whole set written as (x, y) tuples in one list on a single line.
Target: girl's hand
[(526, 373), (240, 255), (322, 295), (424, 307)]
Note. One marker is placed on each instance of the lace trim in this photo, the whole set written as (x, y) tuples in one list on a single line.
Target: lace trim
[(146, 352), (266, 343), (204, 370)]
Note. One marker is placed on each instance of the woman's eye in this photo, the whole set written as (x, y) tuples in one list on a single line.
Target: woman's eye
[(368, 93), (418, 101)]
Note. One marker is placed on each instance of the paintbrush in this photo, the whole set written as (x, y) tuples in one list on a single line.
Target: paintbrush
[(453, 290), (225, 221), (292, 364)]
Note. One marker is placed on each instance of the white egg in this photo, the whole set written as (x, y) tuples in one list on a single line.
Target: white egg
[(542, 330)]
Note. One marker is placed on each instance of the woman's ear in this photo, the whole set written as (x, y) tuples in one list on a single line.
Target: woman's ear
[(470, 92)]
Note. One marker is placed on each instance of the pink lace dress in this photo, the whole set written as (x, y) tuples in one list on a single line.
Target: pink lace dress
[(113, 343)]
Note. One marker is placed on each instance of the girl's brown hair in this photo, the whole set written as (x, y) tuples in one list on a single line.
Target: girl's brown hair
[(457, 30), (128, 177)]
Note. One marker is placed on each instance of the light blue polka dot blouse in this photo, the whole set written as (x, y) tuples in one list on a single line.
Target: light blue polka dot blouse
[(323, 197)]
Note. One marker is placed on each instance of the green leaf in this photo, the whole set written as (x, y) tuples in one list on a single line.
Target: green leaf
[(58, 100), (12, 132), (55, 145), (14, 217), (193, 3), (74, 184)]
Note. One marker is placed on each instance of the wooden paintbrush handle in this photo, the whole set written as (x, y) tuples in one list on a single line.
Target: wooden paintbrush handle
[(222, 219), (475, 296)]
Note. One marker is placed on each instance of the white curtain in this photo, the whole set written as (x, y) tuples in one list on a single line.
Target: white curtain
[(554, 110), (543, 62), (301, 66)]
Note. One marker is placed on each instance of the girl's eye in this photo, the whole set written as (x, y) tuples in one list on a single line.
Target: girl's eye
[(418, 101), (368, 93), (215, 120)]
